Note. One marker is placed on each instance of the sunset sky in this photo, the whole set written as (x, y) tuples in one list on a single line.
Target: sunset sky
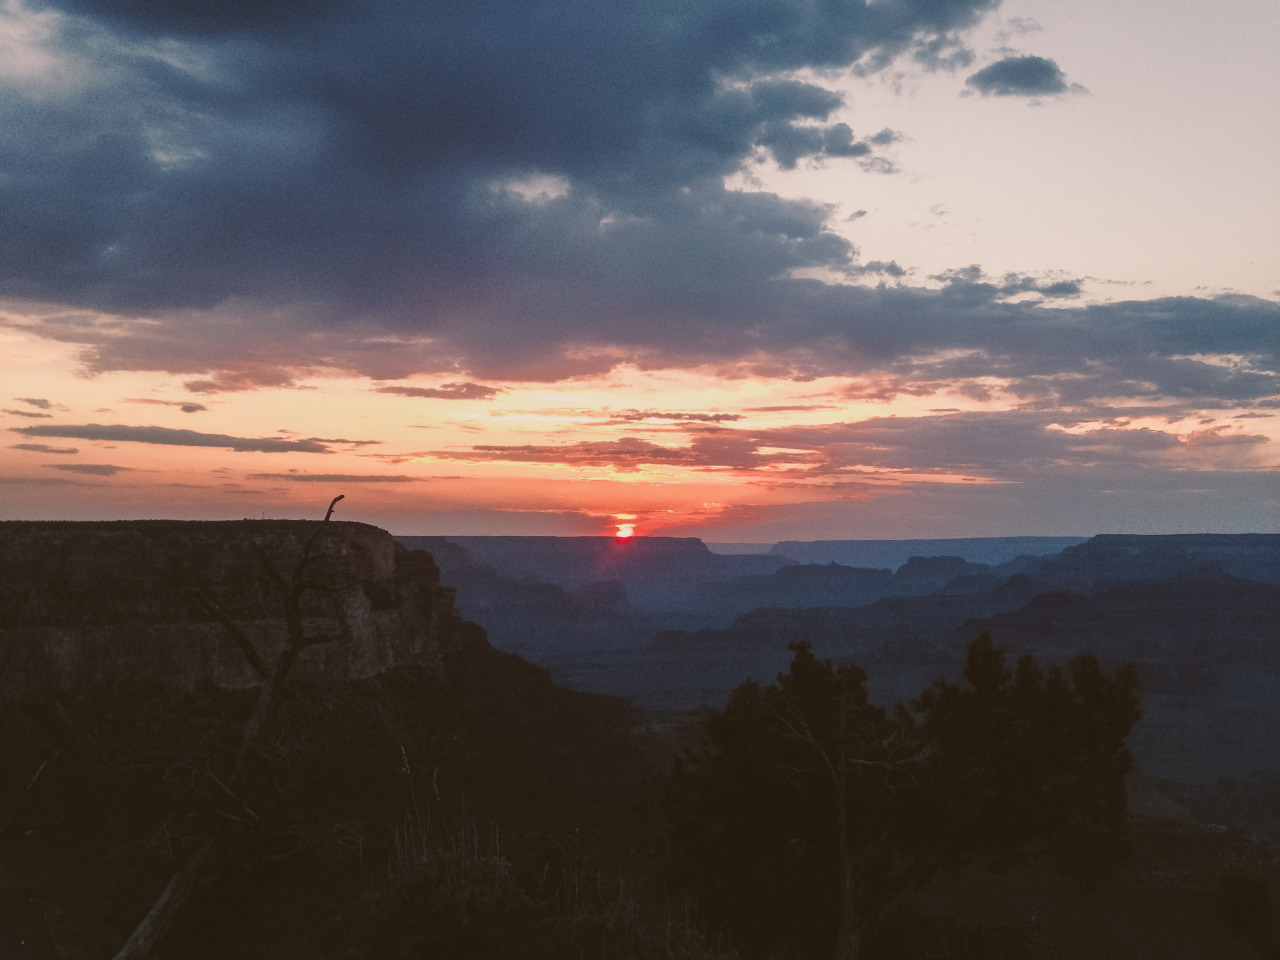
[(746, 270)]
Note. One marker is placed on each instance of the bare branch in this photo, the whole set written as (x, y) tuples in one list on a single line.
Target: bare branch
[(227, 790), (154, 925), (166, 908), (246, 646), (272, 573)]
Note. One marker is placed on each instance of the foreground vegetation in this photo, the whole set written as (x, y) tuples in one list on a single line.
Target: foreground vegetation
[(814, 815), (473, 809)]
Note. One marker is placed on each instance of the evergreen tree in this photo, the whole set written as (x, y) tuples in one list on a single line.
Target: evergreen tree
[(813, 814)]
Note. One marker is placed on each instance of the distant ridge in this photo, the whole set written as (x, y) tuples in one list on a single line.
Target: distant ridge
[(894, 553), (739, 549), (644, 565)]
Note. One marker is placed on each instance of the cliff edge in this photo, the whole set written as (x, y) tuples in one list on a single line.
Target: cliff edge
[(120, 604)]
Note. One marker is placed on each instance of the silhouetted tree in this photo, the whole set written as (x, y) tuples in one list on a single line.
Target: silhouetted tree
[(813, 813), (290, 586)]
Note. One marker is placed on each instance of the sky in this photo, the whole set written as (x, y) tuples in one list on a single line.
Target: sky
[(747, 270)]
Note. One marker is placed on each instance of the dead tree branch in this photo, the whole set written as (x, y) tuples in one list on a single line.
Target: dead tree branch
[(165, 910), (244, 643)]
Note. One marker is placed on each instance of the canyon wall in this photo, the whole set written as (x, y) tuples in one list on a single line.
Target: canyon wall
[(118, 605)]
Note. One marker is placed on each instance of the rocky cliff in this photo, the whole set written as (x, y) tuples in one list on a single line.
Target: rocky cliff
[(122, 604)]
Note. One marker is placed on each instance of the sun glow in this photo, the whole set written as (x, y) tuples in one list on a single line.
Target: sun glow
[(626, 525)]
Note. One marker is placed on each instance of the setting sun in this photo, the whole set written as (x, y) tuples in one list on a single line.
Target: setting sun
[(626, 525)]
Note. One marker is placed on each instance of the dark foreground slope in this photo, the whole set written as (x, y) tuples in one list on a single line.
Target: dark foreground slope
[(411, 792), (454, 804), (474, 811), (474, 766)]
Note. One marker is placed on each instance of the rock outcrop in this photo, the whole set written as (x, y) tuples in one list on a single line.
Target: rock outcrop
[(122, 604)]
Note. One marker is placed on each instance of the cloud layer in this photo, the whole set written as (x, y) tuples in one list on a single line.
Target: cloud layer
[(253, 197), (167, 436), (519, 192), (1008, 446), (167, 158)]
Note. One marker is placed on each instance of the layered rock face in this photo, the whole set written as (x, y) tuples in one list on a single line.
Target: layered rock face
[(123, 604)]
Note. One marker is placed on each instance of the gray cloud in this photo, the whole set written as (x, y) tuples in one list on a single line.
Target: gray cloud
[(790, 408), (639, 416), (446, 391), (184, 406), (791, 142), (625, 454), (179, 438), (39, 402), (43, 448), (334, 478), (349, 442), (1009, 446), (245, 377), (93, 469), (41, 482), (1021, 77), (28, 413), (1214, 349), (1006, 445), (888, 268)]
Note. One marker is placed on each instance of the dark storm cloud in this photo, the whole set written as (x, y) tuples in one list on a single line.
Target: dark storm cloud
[(178, 438), (1020, 77), (245, 17), (523, 191), (344, 154)]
